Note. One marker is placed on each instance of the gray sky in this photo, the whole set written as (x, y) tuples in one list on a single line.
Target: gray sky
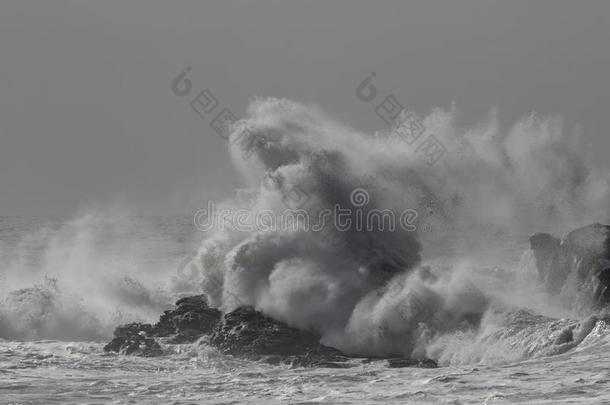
[(87, 114)]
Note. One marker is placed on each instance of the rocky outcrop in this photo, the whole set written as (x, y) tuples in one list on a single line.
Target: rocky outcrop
[(244, 333), (582, 257), (248, 333), (134, 339), (191, 319)]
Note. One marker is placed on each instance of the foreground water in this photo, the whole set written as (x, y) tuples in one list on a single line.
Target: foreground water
[(49, 372), (41, 363)]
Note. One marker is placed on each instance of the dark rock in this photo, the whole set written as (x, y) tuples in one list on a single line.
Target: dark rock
[(248, 333), (546, 248), (584, 252), (244, 333), (133, 339), (589, 240), (191, 319), (406, 362)]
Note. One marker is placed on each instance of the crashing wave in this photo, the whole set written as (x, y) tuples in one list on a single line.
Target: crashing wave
[(449, 286)]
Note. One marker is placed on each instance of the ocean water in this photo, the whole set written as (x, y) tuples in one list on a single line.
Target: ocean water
[(40, 364), (48, 372), (456, 282)]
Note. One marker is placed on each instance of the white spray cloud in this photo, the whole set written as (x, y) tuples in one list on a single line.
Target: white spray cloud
[(491, 183)]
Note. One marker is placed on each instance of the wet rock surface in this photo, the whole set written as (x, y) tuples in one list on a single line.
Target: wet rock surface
[(245, 333), (191, 319), (402, 362), (583, 254), (134, 339), (248, 333)]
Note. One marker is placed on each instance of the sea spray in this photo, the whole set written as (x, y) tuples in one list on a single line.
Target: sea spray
[(452, 287), (494, 185)]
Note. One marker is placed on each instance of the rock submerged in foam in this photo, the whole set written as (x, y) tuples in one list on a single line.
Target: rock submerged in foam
[(191, 319), (134, 339)]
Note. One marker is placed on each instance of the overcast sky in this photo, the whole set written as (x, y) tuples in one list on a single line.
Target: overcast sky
[(87, 114)]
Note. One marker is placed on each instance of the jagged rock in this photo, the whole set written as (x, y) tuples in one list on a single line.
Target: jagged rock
[(584, 252), (244, 333), (191, 319), (133, 339), (248, 333), (406, 362)]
